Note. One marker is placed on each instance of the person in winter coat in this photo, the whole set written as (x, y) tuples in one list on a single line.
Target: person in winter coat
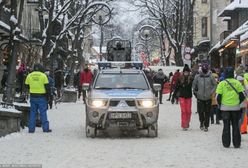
[(229, 97), (52, 89), (59, 81), (184, 89), (77, 83), (160, 78), (38, 85), (204, 86), (214, 108), (85, 77), (173, 82), (20, 78)]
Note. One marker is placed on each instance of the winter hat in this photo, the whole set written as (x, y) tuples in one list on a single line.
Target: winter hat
[(229, 72), (186, 68), (38, 67), (205, 67)]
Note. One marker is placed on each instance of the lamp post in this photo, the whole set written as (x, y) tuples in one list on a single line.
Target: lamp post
[(145, 34), (102, 17), (101, 38)]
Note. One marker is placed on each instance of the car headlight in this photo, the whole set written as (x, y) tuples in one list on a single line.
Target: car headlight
[(146, 103), (98, 103)]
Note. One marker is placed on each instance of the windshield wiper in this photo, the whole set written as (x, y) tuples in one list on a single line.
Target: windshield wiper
[(103, 88), (131, 88)]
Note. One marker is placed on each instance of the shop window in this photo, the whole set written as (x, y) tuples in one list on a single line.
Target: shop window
[(204, 27)]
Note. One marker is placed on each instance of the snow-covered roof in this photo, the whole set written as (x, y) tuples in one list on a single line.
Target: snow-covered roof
[(239, 31), (203, 41), (216, 46), (244, 36), (227, 18), (5, 26), (236, 4)]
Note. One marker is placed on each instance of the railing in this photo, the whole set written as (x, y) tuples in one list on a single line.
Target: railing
[(224, 35)]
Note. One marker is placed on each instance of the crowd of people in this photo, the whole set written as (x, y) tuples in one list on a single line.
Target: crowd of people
[(220, 93)]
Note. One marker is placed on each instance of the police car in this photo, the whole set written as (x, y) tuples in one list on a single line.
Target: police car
[(121, 98)]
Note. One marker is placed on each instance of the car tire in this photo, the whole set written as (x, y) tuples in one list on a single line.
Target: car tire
[(90, 131), (153, 130)]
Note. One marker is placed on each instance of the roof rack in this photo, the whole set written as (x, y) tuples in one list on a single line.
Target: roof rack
[(121, 65)]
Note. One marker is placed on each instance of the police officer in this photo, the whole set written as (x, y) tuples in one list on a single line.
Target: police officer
[(229, 97), (38, 85)]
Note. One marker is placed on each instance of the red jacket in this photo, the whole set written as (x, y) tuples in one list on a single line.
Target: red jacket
[(175, 77), (86, 77)]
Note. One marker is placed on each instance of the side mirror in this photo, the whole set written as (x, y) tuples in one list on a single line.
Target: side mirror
[(156, 87), (86, 86)]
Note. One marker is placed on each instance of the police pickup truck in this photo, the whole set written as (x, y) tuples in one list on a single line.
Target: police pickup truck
[(121, 98)]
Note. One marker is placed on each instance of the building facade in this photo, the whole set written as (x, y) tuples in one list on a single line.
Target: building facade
[(207, 28), (235, 14)]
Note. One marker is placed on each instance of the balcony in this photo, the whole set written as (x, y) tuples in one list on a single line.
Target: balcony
[(224, 35)]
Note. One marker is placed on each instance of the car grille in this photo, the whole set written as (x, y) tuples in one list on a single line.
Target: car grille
[(114, 103)]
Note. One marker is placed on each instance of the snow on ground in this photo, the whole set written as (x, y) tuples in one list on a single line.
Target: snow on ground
[(67, 146)]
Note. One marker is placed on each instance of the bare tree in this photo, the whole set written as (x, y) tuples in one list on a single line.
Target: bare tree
[(173, 17)]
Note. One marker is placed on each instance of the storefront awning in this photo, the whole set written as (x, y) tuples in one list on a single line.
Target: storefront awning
[(234, 35)]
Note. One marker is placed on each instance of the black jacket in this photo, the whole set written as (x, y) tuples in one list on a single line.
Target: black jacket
[(183, 87)]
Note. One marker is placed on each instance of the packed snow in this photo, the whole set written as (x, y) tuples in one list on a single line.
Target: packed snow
[(68, 147)]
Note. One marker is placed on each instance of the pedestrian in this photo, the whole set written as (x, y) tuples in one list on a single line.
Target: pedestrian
[(59, 81), (173, 83), (77, 83), (204, 86), (214, 105), (184, 89), (229, 97), (243, 118), (160, 78), (38, 85), (20, 78), (52, 89), (85, 77)]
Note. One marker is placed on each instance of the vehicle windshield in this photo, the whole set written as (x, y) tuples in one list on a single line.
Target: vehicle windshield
[(121, 81)]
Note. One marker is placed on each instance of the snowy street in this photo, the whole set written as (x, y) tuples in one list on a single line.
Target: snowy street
[(67, 146)]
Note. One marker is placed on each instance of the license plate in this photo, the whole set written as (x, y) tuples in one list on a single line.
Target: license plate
[(120, 115)]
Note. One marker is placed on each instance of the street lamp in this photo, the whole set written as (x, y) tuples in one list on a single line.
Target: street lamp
[(145, 34), (101, 18), (147, 38)]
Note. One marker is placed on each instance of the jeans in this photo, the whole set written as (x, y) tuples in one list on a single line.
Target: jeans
[(38, 104), (160, 95), (185, 105), (215, 111), (231, 118), (204, 107)]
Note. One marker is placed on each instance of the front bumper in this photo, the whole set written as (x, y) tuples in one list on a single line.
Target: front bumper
[(141, 117)]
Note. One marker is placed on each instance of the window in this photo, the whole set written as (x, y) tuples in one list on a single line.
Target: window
[(204, 27), (121, 81), (204, 1)]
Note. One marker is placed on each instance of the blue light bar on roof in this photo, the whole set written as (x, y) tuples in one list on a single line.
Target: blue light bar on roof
[(121, 65)]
